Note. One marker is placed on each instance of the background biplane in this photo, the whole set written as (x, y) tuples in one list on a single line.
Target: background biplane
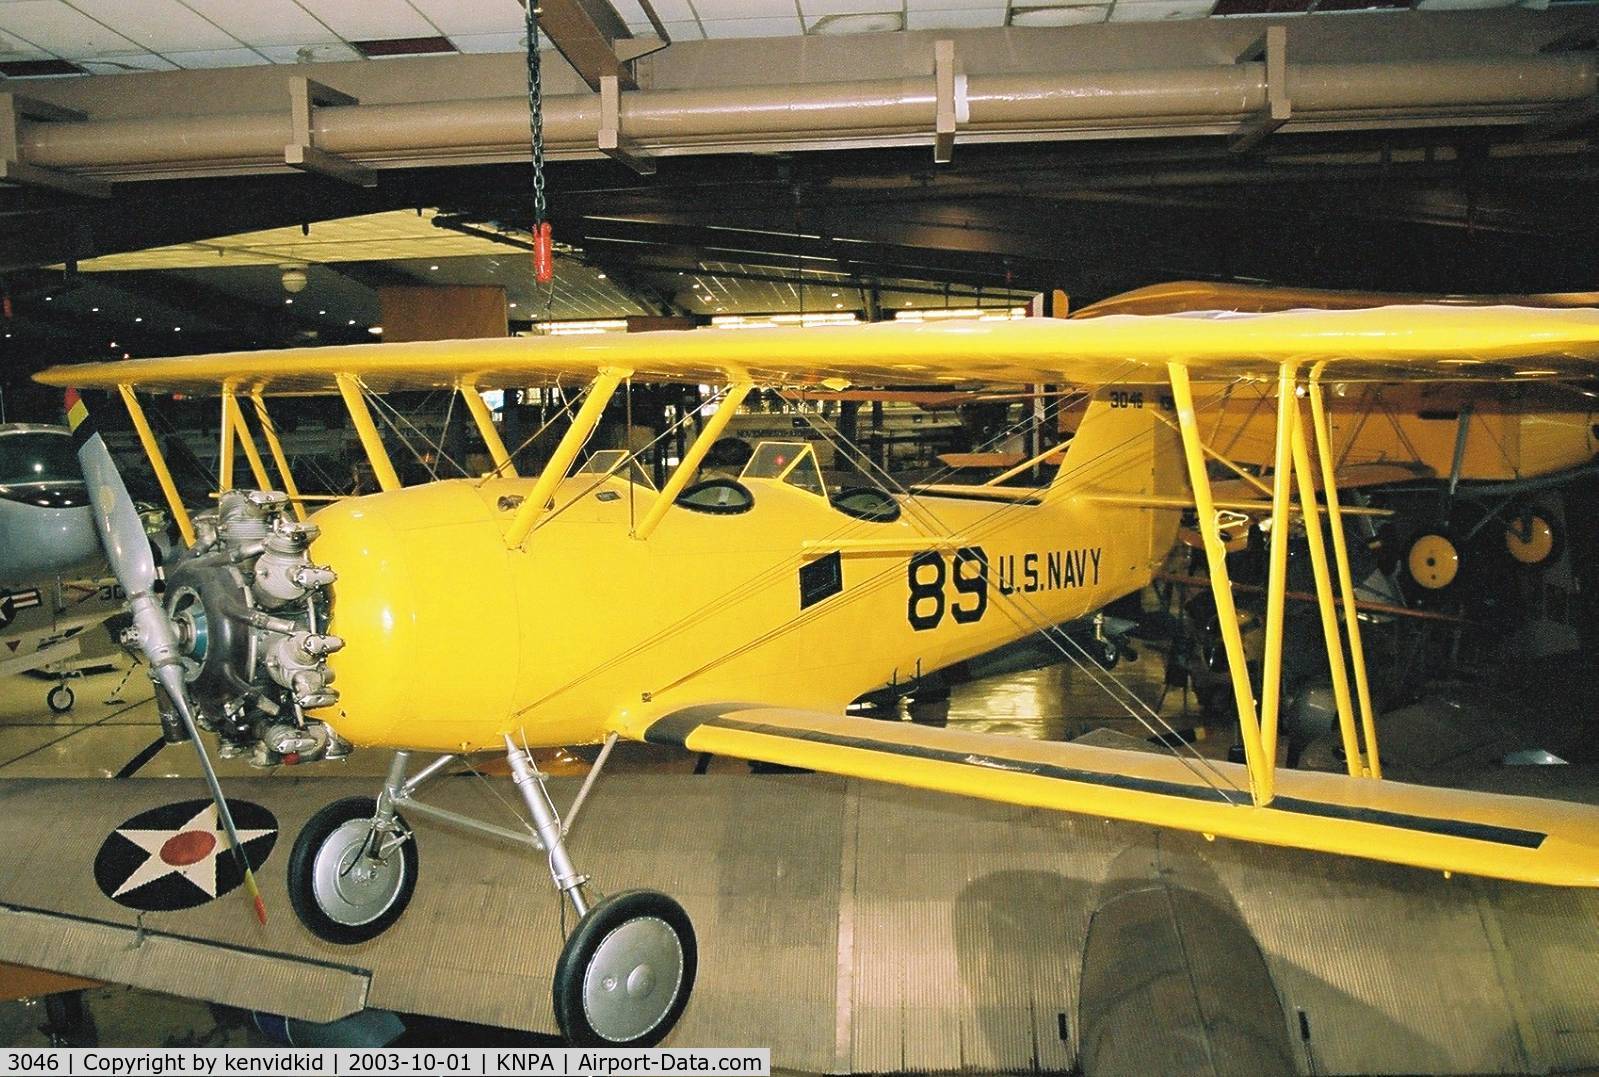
[(804, 597), (1454, 460)]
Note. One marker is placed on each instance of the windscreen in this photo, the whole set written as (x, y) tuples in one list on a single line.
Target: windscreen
[(792, 461), (31, 456)]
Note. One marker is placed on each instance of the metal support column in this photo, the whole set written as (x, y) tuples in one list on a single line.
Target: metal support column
[(225, 447), (241, 429), (1271, 671), (488, 431), (530, 783)]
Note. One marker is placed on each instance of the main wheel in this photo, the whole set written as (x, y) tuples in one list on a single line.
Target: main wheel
[(626, 973), (339, 893), (60, 699)]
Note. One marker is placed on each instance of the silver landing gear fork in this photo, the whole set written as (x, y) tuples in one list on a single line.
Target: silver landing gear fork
[(531, 785)]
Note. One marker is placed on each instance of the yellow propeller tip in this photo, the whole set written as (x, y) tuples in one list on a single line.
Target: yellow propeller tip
[(255, 892)]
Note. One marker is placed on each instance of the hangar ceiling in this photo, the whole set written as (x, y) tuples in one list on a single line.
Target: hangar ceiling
[(118, 36), (815, 170)]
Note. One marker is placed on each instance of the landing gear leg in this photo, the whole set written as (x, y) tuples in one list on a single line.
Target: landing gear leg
[(626, 971)]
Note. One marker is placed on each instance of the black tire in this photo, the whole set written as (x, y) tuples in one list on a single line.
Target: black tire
[(577, 956), (60, 699), (303, 866)]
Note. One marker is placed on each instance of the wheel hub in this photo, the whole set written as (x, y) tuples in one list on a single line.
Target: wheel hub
[(351, 887), (633, 979), (1433, 562)]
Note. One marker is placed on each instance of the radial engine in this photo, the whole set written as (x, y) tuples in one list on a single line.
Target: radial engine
[(249, 606)]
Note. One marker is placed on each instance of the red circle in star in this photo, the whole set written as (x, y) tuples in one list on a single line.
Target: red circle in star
[(188, 847)]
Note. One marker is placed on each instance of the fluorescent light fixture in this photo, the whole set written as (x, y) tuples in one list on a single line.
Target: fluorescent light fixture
[(939, 314), (1059, 15), (873, 22), (582, 328)]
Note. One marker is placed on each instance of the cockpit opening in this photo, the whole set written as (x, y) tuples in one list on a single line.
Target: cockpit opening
[(35, 455)]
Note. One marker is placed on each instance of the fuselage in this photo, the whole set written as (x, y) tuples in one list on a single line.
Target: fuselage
[(452, 639)]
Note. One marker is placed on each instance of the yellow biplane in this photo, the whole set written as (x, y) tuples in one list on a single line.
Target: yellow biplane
[(741, 616)]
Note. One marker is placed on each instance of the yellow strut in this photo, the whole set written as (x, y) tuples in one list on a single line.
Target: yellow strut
[(1324, 594), (488, 431), (225, 448), (1221, 587), (1271, 672), (158, 464), (230, 404), (692, 458), (367, 431), (279, 458), (1346, 585), (566, 450)]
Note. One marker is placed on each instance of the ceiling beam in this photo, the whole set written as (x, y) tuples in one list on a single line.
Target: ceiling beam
[(1390, 70), (586, 33)]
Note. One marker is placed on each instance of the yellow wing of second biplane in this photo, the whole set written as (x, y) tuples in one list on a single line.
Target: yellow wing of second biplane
[(1506, 837), (1175, 297)]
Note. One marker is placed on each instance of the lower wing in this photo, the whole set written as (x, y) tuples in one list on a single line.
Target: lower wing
[(1507, 837)]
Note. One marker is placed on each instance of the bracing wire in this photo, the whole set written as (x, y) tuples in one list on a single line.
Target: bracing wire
[(1032, 619)]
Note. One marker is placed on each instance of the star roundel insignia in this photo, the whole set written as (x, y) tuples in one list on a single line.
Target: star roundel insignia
[(177, 857)]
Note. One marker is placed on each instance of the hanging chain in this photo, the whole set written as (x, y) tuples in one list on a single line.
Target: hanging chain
[(535, 110)]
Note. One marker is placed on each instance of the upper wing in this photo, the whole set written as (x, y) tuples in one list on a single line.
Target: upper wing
[(1384, 344), (1506, 837)]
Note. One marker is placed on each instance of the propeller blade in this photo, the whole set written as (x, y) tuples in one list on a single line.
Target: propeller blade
[(132, 562)]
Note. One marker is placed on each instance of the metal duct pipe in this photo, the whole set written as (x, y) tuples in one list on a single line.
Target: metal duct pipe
[(891, 108)]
